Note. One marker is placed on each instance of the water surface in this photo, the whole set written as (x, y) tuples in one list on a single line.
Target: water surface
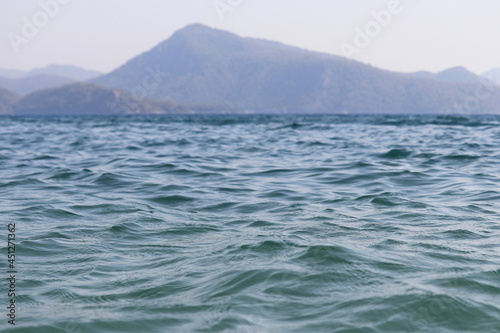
[(253, 223)]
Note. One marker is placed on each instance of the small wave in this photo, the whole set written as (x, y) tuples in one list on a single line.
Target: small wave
[(171, 199), (396, 154)]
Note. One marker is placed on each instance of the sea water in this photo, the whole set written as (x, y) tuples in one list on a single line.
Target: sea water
[(252, 223)]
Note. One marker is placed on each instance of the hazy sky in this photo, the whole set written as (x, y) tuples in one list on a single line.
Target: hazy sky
[(103, 34)]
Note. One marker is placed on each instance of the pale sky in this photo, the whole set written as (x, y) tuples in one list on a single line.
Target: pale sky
[(101, 35)]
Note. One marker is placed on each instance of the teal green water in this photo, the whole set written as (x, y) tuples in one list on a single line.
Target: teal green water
[(253, 223)]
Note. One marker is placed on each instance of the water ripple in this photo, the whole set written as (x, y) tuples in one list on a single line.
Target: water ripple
[(254, 223)]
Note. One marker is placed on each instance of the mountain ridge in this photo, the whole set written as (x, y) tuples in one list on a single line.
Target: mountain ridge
[(493, 75), (51, 76), (68, 71), (205, 70), (206, 65), (92, 99), (458, 74), (7, 99), (29, 84)]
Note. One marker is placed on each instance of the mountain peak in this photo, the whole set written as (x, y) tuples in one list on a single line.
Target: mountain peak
[(457, 69), (458, 74), (200, 31), (195, 27)]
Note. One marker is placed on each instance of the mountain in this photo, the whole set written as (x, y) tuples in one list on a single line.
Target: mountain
[(451, 75), (458, 75), (71, 72), (7, 99), (493, 76), (43, 78), (91, 99), (201, 65), (30, 84), (75, 99), (12, 73)]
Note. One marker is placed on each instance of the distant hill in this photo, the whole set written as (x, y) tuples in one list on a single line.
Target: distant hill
[(43, 78), (71, 72), (7, 99), (33, 83), (91, 99), (12, 73), (68, 71), (75, 99), (493, 76), (200, 65), (452, 75), (458, 75)]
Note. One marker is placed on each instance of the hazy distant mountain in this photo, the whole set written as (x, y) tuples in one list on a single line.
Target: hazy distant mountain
[(452, 75), (73, 99), (33, 83), (493, 76), (202, 65), (202, 70), (43, 78), (12, 73), (7, 99), (91, 99), (458, 75), (68, 71)]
